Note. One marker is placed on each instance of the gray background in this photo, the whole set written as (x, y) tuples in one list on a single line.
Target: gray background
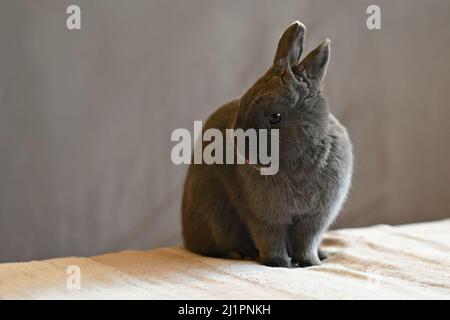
[(86, 116)]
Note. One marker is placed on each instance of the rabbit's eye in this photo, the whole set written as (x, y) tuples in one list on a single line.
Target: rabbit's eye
[(275, 118)]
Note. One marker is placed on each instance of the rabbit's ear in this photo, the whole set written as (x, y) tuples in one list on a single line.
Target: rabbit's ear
[(290, 46), (314, 66)]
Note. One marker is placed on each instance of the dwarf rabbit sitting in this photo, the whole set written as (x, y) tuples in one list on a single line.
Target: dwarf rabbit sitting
[(230, 210)]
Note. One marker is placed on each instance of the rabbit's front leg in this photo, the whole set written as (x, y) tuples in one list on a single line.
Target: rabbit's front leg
[(305, 236), (271, 242)]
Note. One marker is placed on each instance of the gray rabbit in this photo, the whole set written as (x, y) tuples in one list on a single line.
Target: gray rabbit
[(233, 210)]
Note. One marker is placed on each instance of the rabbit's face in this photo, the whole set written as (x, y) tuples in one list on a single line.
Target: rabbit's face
[(288, 96)]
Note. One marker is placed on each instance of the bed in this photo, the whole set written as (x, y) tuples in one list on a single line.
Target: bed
[(379, 262)]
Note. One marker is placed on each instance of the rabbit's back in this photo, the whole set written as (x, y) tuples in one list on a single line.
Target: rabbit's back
[(223, 117), (211, 223)]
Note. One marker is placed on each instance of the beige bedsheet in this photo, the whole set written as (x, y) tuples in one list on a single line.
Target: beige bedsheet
[(411, 261)]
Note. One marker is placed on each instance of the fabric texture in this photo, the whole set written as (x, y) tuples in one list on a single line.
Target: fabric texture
[(380, 262)]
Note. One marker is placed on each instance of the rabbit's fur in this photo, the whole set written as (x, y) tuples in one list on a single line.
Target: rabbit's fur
[(232, 210)]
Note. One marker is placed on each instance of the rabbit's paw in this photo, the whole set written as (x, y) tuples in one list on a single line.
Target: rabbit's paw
[(277, 262), (249, 253), (322, 255), (306, 261)]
